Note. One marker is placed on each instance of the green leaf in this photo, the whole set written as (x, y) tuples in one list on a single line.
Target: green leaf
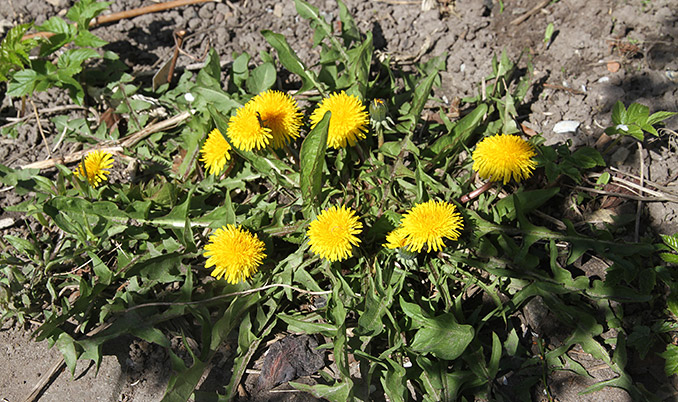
[(100, 269), (637, 113), (83, 11), (670, 258), (297, 325), (14, 50), (658, 117), (70, 62), (443, 337), (419, 98), (339, 392), (240, 69), (66, 345), (671, 241), (461, 132), (349, 29), (88, 39), (493, 366), (671, 360), (261, 79), (23, 83), (183, 384), (312, 161), (619, 114), (528, 200), (292, 62)]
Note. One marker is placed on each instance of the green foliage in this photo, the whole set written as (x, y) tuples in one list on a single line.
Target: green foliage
[(126, 258), (635, 120), (14, 51), (41, 74)]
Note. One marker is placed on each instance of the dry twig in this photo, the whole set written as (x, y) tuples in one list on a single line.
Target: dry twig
[(113, 146), (104, 19)]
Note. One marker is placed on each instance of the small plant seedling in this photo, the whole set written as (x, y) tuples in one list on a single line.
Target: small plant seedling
[(548, 35), (635, 120)]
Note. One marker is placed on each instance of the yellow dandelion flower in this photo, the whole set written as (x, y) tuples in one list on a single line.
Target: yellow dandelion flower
[(333, 233), (349, 120), (93, 167), (428, 223), (500, 157), (215, 152), (396, 238), (245, 129), (279, 112), (234, 253)]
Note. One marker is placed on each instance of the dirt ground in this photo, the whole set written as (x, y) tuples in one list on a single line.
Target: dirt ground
[(602, 51)]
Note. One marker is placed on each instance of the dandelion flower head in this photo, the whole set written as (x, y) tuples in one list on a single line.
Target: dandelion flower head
[(94, 167), (349, 120), (333, 233), (279, 112), (396, 238), (429, 223), (215, 152), (235, 253), (500, 157), (246, 131)]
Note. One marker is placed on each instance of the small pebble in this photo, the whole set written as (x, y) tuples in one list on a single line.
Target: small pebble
[(566, 126)]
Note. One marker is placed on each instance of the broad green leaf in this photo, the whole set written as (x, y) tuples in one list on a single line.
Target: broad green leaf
[(619, 114), (349, 30), (394, 380), (23, 83), (292, 62), (528, 201), (443, 337), (83, 11), (339, 392), (421, 95), (670, 356), (261, 78), (637, 113), (671, 241), (102, 272), (66, 345), (493, 366), (453, 141), (312, 161), (88, 39), (658, 117), (297, 325)]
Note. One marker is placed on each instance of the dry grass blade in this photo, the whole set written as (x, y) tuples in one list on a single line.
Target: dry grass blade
[(113, 146)]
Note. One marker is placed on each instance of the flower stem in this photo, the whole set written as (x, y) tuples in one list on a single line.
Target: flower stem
[(440, 285), (475, 193)]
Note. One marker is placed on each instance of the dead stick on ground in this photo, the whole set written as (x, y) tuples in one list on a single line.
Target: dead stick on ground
[(56, 369), (104, 19), (42, 133), (113, 146), (639, 207), (530, 13)]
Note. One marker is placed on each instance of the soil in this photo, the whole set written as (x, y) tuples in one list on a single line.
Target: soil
[(601, 52)]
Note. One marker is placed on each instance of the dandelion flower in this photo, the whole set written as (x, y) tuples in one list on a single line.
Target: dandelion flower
[(93, 167), (245, 129), (279, 112), (396, 238), (349, 120), (234, 253), (500, 157), (333, 233), (428, 223), (215, 152)]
